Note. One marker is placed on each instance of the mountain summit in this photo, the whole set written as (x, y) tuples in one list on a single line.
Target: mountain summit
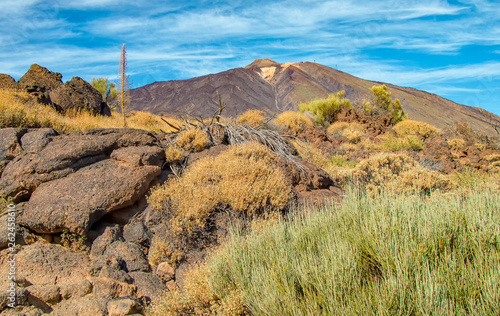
[(273, 87)]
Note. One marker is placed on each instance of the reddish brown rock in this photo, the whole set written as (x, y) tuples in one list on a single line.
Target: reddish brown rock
[(39, 81), (56, 157), (77, 94), (78, 200), (49, 264)]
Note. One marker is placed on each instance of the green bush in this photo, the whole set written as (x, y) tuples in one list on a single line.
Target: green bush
[(325, 109), (382, 104)]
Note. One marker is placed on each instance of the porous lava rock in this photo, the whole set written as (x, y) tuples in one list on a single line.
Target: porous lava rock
[(77, 94)]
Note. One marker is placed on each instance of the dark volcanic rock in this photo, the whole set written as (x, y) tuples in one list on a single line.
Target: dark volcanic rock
[(9, 145), (83, 306), (78, 94), (51, 264), (57, 157), (148, 285), (130, 254), (137, 233), (39, 81), (7, 82), (35, 139), (78, 200)]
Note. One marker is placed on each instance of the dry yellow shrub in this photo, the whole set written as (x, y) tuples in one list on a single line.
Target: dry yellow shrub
[(311, 154), (456, 143), (352, 131), (252, 117), (244, 177), (293, 120), (174, 153), (493, 157), (348, 147), (20, 109), (415, 128), (193, 139), (481, 147), (397, 172)]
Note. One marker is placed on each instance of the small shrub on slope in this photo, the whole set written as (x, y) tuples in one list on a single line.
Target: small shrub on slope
[(415, 128), (382, 104), (244, 178), (252, 118), (397, 173), (193, 139), (294, 121), (352, 131), (456, 143), (325, 110)]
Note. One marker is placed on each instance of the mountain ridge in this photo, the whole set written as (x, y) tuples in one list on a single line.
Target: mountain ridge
[(273, 87)]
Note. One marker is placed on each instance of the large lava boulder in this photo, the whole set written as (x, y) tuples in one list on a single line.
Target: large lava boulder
[(78, 94), (39, 81)]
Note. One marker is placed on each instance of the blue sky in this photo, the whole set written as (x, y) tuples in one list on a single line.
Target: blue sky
[(451, 48)]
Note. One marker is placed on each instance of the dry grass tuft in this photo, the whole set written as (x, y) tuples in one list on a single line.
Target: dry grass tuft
[(243, 178), (415, 128), (456, 143), (293, 120), (198, 298), (19, 109), (192, 139), (252, 117)]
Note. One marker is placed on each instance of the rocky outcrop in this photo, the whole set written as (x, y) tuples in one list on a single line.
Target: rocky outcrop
[(77, 94), (39, 81), (57, 157), (47, 86), (7, 82), (10, 145), (78, 200), (73, 180)]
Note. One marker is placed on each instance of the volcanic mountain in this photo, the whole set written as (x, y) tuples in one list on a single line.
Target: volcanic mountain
[(274, 88)]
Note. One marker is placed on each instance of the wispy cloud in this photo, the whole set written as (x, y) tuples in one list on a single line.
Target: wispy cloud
[(414, 42)]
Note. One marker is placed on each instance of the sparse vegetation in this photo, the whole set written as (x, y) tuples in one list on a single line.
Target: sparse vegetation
[(192, 139), (19, 109), (216, 183), (107, 89)]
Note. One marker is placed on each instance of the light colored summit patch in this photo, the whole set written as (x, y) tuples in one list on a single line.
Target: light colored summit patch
[(267, 73)]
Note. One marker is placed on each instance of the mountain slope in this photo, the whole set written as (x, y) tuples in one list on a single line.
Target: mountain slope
[(274, 88)]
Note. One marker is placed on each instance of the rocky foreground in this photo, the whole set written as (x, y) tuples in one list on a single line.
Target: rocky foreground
[(84, 226)]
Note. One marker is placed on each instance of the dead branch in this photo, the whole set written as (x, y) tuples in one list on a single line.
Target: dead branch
[(171, 125)]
